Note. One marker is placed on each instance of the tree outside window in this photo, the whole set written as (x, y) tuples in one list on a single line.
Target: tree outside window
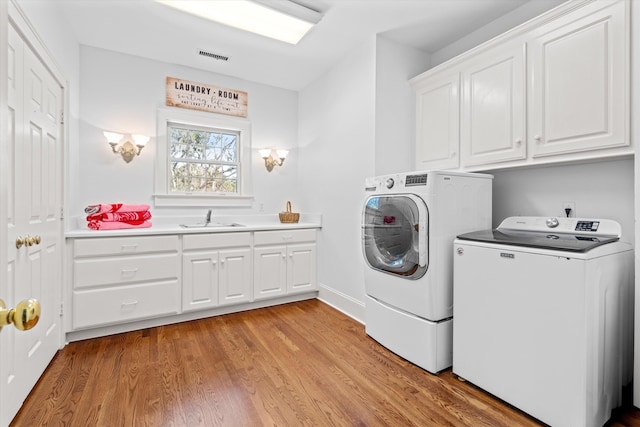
[(203, 160)]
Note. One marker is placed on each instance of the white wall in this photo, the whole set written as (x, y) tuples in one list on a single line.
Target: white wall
[(395, 105), (600, 190), (121, 93), (337, 142), (527, 11)]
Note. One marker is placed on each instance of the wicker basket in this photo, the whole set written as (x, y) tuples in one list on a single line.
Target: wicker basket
[(288, 216)]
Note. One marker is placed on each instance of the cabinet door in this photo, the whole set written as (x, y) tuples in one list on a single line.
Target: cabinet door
[(301, 267), (493, 107), (437, 121), (235, 276), (579, 81), (199, 280), (269, 271)]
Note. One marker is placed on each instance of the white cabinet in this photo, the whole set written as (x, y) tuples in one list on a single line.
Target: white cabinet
[(438, 122), (122, 279), (578, 82), (284, 263), (555, 89), (493, 106), (216, 269)]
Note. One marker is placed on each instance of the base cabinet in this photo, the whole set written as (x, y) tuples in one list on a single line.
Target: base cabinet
[(284, 263), (128, 280), (117, 280), (216, 270)]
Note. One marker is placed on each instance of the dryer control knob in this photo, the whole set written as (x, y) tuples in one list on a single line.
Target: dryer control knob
[(552, 222), (390, 183)]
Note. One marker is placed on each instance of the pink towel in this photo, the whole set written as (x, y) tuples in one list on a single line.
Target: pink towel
[(114, 207), (117, 225), (120, 216)]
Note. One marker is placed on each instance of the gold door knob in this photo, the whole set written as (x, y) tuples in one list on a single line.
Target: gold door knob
[(37, 240), (24, 317), (19, 242)]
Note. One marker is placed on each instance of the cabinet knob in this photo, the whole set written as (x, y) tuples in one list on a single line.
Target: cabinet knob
[(453, 154), (537, 138), (518, 141)]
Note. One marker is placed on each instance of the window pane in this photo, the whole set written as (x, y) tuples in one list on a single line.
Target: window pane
[(203, 160)]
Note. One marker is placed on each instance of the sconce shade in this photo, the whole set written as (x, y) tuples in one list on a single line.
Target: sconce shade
[(140, 140), (282, 153), (112, 137), (265, 153)]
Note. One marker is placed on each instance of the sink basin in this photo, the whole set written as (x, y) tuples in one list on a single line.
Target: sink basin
[(212, 225)]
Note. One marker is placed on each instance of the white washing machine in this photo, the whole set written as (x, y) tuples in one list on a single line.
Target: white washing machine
[(543, 316), (409, 223)]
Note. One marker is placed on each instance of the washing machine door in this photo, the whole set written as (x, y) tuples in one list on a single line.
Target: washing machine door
[(394, 235)]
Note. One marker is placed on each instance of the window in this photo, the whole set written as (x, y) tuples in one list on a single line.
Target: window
[(200, 159)]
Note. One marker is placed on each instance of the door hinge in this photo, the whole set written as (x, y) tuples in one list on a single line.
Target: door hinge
[(62, 117), (61, 309)]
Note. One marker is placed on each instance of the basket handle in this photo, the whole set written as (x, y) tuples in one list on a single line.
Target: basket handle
[(288, 206)]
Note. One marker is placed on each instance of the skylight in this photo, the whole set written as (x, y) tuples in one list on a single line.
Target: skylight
[(286, 21)]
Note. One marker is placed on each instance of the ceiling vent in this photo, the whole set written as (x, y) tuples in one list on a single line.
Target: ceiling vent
[(213, 55)]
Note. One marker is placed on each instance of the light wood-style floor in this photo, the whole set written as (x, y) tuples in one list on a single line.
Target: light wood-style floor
[(299, 364)]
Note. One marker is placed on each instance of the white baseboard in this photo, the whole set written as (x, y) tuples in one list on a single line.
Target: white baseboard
[(342, 302)]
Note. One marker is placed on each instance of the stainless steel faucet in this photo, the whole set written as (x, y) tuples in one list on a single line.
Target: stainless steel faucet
[(208, 218)]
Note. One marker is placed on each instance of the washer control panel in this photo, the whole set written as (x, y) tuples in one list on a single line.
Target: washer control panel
[(585, 226)]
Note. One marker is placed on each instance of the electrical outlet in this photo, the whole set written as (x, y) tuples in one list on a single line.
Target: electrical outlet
[(569, 209)]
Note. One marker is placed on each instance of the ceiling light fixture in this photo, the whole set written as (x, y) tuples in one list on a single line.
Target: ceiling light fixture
[(283, 20)]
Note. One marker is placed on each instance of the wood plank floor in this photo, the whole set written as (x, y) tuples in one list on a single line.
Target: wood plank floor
[(299, 364)]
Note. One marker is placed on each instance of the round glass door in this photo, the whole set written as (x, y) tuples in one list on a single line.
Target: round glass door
[(392, 239)]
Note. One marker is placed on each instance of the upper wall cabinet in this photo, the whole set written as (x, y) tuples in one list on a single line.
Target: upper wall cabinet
[(578, 81), (552, 90), (493, 106), (438, 122)]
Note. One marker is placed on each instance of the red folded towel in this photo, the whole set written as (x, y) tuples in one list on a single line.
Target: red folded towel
[(117, 225), (120, 216), (114, 207)]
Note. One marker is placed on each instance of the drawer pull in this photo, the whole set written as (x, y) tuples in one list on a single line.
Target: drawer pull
[(129, 273), (128, 248), (287, 237), (128, 305)]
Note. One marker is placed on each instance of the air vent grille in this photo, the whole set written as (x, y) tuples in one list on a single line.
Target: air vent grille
[(213, 55)]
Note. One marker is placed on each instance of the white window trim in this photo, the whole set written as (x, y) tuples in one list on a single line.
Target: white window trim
[(163, 197)]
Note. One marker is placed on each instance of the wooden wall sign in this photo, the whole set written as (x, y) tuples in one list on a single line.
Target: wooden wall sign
[(202, 97)]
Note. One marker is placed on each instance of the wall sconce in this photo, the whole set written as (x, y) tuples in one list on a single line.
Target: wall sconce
[(270, 161), (126, 150)]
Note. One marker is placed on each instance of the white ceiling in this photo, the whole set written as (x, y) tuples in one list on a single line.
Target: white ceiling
[(151, 30)]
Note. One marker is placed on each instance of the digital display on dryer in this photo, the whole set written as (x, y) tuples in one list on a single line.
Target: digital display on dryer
[(587, 225)]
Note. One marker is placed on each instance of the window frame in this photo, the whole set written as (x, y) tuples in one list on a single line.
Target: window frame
[(196, 119)]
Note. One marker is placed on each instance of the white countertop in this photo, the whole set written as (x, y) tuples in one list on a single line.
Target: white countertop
[(171, 225)]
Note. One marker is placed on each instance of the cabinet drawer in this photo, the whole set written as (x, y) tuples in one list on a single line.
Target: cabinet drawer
[(215, 240), (124, 245), (121, 270), (284, 237), (116, 305)]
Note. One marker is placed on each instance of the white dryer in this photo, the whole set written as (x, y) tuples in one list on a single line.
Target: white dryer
[(543, 316), (409, 222)]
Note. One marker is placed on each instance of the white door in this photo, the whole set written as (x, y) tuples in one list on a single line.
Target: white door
[(34, 206), (301, 267), (437, 122), (493, 107), (269, 271), (235, 276), (200, 273), (578, 82)]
